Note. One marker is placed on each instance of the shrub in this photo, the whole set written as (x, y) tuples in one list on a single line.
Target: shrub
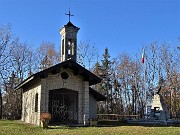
[(45, 118)]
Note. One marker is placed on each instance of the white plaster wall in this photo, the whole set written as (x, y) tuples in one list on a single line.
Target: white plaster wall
[(28, 105)]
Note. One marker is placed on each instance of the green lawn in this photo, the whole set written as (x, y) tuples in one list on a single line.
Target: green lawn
[(19, 128)]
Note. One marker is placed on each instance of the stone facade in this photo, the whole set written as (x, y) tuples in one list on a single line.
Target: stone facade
[(86, 101), (92, 106), (28, 105)]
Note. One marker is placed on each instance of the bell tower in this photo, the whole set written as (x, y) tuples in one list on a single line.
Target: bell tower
[(69, 41)]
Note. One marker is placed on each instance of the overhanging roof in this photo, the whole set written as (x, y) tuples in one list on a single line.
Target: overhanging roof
[(77, 69), (98, 96)]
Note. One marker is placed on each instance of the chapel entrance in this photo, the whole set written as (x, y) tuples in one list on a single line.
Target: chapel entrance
[(63, 106)]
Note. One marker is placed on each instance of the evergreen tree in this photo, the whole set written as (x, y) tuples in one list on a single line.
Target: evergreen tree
[(12, 99), (106, 84)]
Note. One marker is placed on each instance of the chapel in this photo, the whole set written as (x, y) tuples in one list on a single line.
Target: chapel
[(64, 90)]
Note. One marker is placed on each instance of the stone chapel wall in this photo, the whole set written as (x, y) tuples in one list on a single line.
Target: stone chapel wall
[(28, 105), (75, 83), (92, 107)]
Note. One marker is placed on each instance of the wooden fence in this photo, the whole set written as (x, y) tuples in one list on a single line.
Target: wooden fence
[(116, 117)]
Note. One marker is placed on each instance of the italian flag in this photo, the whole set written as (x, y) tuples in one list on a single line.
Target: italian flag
[(143, 56)]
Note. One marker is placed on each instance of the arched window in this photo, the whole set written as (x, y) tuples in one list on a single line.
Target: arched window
[(36, 102)]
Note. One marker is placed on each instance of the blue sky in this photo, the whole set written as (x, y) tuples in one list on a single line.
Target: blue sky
[(120, 25)]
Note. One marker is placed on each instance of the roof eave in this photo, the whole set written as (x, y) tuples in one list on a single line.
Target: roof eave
[(92, 78), (24, 82)]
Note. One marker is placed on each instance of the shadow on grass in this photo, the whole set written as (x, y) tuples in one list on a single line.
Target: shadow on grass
[(10, 122), (100, 124), (111, 124), (120, 123)]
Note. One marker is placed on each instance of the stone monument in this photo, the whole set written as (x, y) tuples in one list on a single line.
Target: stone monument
[(159, 109)]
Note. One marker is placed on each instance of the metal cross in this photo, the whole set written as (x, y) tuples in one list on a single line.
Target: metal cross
[(69, 15)]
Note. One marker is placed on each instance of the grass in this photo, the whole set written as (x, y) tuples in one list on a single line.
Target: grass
[(8, 127)]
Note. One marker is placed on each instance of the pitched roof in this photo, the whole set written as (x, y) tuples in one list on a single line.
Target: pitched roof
[(77, 69), (69, 24), (98, 96)]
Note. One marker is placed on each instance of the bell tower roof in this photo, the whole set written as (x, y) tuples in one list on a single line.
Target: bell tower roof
[(70, 25)]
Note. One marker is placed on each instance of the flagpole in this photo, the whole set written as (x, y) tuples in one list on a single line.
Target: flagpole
[(145, 94)]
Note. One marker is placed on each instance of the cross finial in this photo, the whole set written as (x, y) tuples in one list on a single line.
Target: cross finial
[(69, 14)]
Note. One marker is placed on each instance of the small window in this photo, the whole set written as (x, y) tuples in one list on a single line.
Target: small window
[(36, 102), (63, 47), (64, 75)]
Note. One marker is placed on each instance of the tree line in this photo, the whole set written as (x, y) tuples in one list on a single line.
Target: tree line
[(17, 62), (124, 78), (129, 84)]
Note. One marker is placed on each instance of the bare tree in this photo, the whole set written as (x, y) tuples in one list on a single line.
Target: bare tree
[(15, 62), (163, 70), (128, 76), (21, 60), (86, 54), (5, 42), (47, 55)]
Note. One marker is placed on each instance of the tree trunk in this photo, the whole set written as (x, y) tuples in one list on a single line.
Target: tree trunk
[(0, 104)]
